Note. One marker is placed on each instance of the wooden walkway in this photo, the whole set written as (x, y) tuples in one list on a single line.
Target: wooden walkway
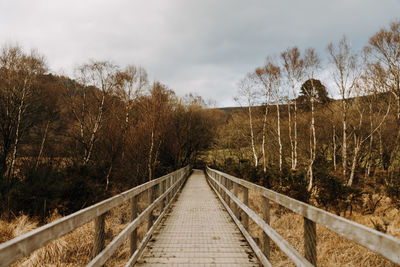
[(197, 232)]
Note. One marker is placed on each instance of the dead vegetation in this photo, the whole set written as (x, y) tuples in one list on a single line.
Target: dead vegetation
[(332, 249), (75, 248)]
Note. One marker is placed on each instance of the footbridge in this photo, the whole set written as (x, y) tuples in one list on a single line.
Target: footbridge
[(199, 218)]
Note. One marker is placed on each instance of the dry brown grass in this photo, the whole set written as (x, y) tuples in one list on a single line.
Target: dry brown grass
[(75, 248), (332, 249)]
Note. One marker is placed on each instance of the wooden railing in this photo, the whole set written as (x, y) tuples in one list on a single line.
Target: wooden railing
[(226, 188), (161, 192)]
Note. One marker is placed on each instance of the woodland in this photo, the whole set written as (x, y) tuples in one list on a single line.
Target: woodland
[(67, 143), (336, 147)]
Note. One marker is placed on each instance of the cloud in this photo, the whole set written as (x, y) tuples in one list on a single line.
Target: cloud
[(192, 46)]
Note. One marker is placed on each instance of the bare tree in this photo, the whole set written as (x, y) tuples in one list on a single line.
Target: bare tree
[(100, 75), (312, 64), (293, 65), (270, 76), (248, 92), (18, 74), (345, 74), (385, 48)]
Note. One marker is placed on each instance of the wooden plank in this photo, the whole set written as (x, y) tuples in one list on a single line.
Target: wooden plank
[(235, 207), (383, 244), (261, 257), (104, 255), (25, 244), (246, 202), (135, 256), (133, 237), (292, 253), (310, 241), (266, 217), (98, 234)]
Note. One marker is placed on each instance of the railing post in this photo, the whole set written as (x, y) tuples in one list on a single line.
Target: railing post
[(228, 187), (98, 234), (151, 199), (163, 189), (246, 202), (133, 237), (310, 241), (235, 207), (266, 218), (168, 186)]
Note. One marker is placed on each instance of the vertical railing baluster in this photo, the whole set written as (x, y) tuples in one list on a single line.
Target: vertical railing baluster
[(134, 212), (235, 207), (266, 218), (246, 202), (163, 189), (151, 199), (98, 234), (310, 241)]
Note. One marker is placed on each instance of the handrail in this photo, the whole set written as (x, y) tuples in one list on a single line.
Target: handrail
[(383, 244), (167, 186)]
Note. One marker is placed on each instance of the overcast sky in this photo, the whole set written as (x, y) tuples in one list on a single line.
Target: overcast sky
[(199, 46)]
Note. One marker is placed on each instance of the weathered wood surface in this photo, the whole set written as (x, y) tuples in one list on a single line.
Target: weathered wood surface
[(23, 245), (261, 257), (197, 232), (291, 252), (383, 244), (102, 257)]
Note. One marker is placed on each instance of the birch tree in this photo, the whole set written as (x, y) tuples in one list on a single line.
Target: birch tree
[(293, 66), (345, 74), (270, 76), (18, 73), (248, 92), (312, 64), (385, 49), (100, 77)]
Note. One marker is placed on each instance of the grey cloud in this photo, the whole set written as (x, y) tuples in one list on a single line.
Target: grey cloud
[(199, 46)]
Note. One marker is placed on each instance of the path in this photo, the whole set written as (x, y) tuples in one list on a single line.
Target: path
[(197, 232)]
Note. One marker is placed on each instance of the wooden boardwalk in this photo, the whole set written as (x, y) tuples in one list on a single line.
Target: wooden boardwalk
[(197, 232)]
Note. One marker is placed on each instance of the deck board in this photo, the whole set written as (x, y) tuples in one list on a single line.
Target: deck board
[(197, 231)]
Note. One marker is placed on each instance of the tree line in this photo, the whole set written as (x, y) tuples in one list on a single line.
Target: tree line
[(67, 143), (303, 142)]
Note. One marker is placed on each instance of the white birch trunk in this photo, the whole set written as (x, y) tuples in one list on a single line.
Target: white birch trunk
[(17, 131), (42, 145), (264, 137), (252, 137), (149, 165), (313, 148), (94, 131), (344, 146), (334, 147), (279, 135), (290, 134)]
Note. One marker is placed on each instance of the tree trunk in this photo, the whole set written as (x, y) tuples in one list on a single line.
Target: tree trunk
[(42, 145), (149, 165), (279, 136), (295, 134), (94, 131), (313, 146), (290, 134), (108, 176), (252, 138), (334, 147), (17, 132), (264, 137), (354, 164), (344, 146)]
